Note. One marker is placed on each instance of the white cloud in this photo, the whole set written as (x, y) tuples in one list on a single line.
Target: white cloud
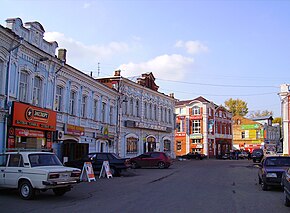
[(79, 52), (192, 47), (171, 67), (86, 5)]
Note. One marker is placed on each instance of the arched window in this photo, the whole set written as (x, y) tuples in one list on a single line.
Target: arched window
[(132, 146), (167, 145), (84, 106)]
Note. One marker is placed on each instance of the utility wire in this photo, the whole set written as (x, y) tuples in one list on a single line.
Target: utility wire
[(216, 85)]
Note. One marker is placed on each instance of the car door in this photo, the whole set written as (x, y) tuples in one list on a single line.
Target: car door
[(154, 159), (3, 162), (100, 158), (14, 170), (143, 160)]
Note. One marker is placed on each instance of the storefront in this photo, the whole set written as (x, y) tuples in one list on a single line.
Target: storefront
[(31, 127)]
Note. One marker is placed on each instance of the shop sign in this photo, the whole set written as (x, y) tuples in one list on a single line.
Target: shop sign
[(32, 117), (199, 146), (195, 117), (150, 126), (74, 130), (250, 126), (180, 134), (29, 133), (195, 136)]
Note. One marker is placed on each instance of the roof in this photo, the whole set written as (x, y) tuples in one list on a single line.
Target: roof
[(262, 118), (185, 102)]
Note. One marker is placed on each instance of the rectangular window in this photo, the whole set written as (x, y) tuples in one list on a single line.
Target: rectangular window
[(23, 87), (104, 112), (83, 107), (196, 126), (58, 98), (95, 110), (72, 103), (196, 110), (131, 107), (178, 146), (137, 108), (111, 115), (243, 135), (195, 141), (36, 100)]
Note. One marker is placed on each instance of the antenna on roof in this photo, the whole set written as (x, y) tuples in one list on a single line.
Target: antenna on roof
[(98, 69)]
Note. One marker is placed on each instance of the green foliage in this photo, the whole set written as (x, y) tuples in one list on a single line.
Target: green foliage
[(237, 107), (277, 120)]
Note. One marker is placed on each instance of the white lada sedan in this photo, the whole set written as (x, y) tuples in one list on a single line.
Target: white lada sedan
[(36, 171)]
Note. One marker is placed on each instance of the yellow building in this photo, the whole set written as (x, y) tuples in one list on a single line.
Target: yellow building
[(247, 134)]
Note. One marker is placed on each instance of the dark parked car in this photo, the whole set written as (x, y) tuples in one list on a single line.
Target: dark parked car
[(151, 159), (271, 170), (257, 155), (195, 155), (286, 186), (117, 164)]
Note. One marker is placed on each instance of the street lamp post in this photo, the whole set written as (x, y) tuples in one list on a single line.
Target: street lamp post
[(7, 88)]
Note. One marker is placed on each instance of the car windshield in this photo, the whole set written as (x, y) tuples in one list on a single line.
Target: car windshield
[(279, 161), (44, 160)]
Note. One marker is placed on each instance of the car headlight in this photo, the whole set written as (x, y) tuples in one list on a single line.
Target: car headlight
[(271, 175)]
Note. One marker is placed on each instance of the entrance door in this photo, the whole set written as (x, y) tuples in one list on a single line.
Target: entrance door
[(74, 150)]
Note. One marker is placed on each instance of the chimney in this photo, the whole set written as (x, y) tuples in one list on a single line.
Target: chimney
[(171, 95), (117, 73), (62, 55)]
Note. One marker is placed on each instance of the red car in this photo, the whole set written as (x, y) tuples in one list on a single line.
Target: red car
[(151, 159)]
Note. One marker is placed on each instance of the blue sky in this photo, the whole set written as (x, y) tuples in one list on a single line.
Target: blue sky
[(216, 49)]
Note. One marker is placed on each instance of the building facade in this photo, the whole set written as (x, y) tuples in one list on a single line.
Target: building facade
[(248, 134), (46, 103), (285, 113), (203, 127), (27, 64), (146, 116)]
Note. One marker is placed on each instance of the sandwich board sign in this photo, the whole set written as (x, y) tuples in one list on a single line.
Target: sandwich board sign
[(88, 172), (106, 171)]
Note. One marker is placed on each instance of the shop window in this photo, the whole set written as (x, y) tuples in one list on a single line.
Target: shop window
[(132, 145), (167, 145)]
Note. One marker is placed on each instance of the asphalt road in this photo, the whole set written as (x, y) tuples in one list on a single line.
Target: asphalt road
[(188, 186)]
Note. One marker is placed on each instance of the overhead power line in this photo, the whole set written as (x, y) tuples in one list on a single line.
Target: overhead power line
[(218, 85)]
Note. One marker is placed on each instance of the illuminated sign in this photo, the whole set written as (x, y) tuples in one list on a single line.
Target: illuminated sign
[(32, 117)]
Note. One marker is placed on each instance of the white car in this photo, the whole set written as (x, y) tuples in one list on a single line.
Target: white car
[(36, 171)]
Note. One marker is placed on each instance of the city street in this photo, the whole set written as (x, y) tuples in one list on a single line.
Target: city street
[(188, 186)]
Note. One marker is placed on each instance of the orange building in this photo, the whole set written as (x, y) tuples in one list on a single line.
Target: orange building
[(203, 127)]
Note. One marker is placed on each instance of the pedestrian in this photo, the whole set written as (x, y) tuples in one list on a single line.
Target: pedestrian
[(249, 155), (237, 155)]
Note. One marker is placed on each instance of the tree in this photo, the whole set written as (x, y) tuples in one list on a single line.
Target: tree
[(277, 120), (260, 113), (237, 107)]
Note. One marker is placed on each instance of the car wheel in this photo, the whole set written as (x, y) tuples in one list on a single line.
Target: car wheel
[(59, 191), (26, 190), (114, 172), (161, 165), (134, 165), (264, 186), (286, 200)]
